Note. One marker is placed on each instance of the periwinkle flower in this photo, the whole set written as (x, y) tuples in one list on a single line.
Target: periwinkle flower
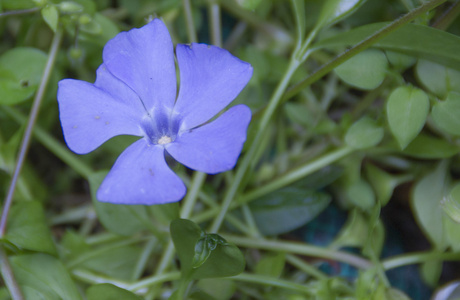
[(135, 94)]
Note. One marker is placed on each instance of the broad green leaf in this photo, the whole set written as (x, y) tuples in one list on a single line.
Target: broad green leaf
[(354, 233), (116, 263), (218, 288), (335, 10), (107, 291), (452, 230), (400, 61), (426, 204), (364, 133), (287, 209), (451, 203), (428, 147), (395, 294), (446, 114), (271, 265), (20, 73), (438, 79), (43, 275), (249, 4), (51, 16), (27, 228), (17, 4), (431, 271), (407, 108), (360, 193), (119, 219), (225, 260), (411, 39), (366, 70)]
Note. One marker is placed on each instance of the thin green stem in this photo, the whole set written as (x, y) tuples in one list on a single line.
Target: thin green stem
[(305, 267), (92, 278), (143, 258), (192, 195), (247, 159), (30, 125), (214, 20), (191, 31), (273, 282), (53, 145), (19, 12), (154, 280), (280, 182), (417, 258), (451, 14), (299, 248), (366, 43), (8, 276)]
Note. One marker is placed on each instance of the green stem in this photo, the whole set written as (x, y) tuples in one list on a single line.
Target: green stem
[(417, 258), (214, 20), (299, 248), (284, 180), (53, 145), (143, 258), (305, 267), (191, 31), (154, 280), (30, 125), (8, 276), (366, 43), (448, 17), (247, 159), (192, 195), (19, 12), (272, 282)]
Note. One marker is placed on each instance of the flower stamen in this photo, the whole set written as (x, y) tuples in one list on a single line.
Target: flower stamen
[(164, 140)]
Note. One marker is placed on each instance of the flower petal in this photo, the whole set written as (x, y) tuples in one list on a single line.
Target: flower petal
[(210, 78), (214, 147), (141, 176), (90, 116), (143, 58)]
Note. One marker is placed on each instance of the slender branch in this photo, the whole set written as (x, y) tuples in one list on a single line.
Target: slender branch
[(19, 12), (273, 282), (52, 144), (300, 248), (366, 43), (214, 20), (192, 195), (8, 276), (449, 16), (417, 258), (191, 31), (30, 125)]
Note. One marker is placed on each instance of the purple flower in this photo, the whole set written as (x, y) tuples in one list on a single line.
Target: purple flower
[(135, 94)]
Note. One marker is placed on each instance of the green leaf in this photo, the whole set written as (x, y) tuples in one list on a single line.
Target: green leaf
[(431, 272), (335, 10), (119, 219), (407, 108), (27, 228), (360, 193), (221, 289), (107, 291), (438, 79), (287, 209), (366, 70), (225, 260), (20, 73), (116, 263), (364, 133), (395, 294), (44, 275), (451, 203), (382, 182), (271, 265), (426, 200), (428, 147), (400, 61), (354, 233), (51, 16), (411, 39), (446, 114)]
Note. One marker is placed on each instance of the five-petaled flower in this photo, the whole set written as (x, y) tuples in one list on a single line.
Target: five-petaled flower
[(135, 94)]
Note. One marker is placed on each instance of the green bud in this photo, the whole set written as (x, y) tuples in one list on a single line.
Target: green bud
[(84, 19), (75, 53)]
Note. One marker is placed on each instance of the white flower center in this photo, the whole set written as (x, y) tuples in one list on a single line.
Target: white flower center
[(164, 140)]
